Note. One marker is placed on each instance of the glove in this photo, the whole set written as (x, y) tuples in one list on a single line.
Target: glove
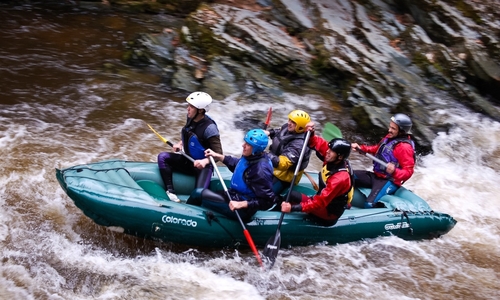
[(296, 207)]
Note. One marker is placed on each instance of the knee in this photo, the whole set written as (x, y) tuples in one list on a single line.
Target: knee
[(162, 157)]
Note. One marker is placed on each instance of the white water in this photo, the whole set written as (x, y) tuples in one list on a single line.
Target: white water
[(50, 250)]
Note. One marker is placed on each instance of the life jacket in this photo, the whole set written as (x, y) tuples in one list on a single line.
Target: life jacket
[(192, 137), (282, 139), (239, 179), (341, 202), (385, 152)]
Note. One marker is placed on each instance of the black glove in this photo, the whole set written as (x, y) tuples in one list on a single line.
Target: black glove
[(296, 207), (275, 160)]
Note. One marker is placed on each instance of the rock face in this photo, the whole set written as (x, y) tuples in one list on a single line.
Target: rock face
[(379, 56)]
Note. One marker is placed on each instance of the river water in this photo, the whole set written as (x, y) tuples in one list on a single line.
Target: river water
[(59, 107)]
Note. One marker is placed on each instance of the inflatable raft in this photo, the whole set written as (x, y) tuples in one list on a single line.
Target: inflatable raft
[(131, 196)]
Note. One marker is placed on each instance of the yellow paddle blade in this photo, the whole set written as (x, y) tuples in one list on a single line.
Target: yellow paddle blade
[(158, 135)]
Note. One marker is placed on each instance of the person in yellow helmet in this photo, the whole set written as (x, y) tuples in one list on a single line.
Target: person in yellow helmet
[(287, 142)]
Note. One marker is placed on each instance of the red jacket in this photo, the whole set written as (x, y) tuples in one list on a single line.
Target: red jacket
[(336, 185), (404, 153)]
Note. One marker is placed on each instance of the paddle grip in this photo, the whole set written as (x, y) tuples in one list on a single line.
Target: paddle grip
[(381, 162)]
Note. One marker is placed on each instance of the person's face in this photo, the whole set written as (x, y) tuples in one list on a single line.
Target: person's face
[(291, 125), (191, 111), (247, 149), (393, 130), (330, 156)]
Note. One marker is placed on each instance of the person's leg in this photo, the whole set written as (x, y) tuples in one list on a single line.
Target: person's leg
[(217, 201), (380, 188), (167, 163), (203, 177), (363, 178)]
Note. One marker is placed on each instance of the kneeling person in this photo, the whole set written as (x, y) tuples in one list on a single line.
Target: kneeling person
[(335, 182)]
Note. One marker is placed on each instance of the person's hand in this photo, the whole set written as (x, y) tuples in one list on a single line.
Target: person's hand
[(390, 168), (286, 207), (177, 146), (237, 204), (310, 126), (201, 163), (215, 155), (354, 146)]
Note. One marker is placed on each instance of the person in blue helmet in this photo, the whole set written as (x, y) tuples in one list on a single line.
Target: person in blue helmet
[(251, 186)]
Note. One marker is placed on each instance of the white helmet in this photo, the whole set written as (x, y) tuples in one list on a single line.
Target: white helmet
[(200, 100)]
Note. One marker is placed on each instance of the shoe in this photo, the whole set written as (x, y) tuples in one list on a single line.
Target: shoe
[(173, 197)]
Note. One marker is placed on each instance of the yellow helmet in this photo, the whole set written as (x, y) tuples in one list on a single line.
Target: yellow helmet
[(300, 118)]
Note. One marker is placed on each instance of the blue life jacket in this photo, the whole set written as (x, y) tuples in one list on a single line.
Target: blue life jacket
[(192, 137), (238, 181)]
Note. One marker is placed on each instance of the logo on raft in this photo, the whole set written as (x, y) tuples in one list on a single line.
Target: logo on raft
[(175, 220), (396, 226)]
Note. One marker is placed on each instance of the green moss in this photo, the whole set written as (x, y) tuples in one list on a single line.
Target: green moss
[(362, 119), (203, 39), (468, 11)]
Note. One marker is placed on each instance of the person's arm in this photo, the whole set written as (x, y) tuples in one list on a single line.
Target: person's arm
[(260, 180), (404, 153), (336, 185), (319, 144)]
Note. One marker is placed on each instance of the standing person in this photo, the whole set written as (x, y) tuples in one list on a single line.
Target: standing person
[(284, 152), (199, 134), (335, 182), (251, 183), (397, 149)]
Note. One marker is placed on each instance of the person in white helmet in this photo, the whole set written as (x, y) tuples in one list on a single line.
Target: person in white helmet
[(397, 149), (199, 133)]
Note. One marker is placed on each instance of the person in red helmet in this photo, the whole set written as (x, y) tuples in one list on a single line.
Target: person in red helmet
[(335, 182), (397, 149)]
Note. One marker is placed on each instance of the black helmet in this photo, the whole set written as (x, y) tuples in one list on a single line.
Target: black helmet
[(404, 123), (341, 147)]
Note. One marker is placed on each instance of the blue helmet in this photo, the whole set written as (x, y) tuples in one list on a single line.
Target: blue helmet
[(258, 139)]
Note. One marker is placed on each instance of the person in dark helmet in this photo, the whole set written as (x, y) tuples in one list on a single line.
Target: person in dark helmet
[(199, 134), (285, 148), (397, 149), (251, 186), (335, 182)]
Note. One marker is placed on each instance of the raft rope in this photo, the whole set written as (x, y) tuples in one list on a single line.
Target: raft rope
[(410, 229), (211, 217)]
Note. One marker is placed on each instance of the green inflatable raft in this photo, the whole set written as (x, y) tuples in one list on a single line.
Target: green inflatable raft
[(131, 196)]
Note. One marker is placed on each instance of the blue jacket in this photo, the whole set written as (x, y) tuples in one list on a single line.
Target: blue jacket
[(258, 177)]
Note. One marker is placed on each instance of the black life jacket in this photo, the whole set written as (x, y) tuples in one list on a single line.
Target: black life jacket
[(341, 202)]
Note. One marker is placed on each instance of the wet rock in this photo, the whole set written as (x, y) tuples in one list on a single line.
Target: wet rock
[(377, 57)]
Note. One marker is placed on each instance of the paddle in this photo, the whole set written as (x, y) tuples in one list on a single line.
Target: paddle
[(268, 118), (245, 231), (273, 244), (170, 143), (331, 131), (381, 162)]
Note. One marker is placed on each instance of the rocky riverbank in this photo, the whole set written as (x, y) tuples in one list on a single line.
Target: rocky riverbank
[(372, 58)]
